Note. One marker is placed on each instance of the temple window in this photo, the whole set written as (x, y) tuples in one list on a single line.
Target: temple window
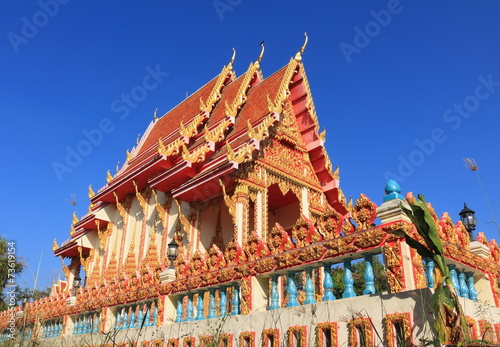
[(297, 336), (326, 334), (282, 209), (247, 339), (270, 338)]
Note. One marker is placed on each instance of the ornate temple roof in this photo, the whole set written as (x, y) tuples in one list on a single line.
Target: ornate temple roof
[(218, 128)]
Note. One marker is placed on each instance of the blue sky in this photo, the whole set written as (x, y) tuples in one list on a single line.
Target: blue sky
[(404, 89)]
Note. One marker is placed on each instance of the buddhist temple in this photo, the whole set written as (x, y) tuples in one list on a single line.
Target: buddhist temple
[(227, 226)]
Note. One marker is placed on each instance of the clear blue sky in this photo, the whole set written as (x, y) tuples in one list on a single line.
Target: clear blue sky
[(408, 87)]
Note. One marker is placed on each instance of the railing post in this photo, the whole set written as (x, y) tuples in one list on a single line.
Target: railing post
[(275, 298), (369, 277), (148, 316), (236, 301), (125, 320), (189, 308), (155, 316), (472, 287), (429, 274), (117, 323), (348, 280), (328, 283), (222, 301), (200, 306), (179, 311), (291, 289), (140, 316), (309, 288), (212, 307), (464, 290), (133, 320), (454, 278)]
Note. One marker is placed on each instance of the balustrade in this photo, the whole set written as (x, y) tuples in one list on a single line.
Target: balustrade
[(52, 328), (143, 314), (87, 323), (186, 312)]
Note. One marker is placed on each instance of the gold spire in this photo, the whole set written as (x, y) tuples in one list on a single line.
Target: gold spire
[(75, 218), (129, 156), (298, 56), (230, 65), (261, 55), (91, 192), (109, 178)]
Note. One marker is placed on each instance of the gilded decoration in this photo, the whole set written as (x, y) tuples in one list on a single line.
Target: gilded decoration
[(140, 198), (418, 269), (462, 235), (198, 155), (329, 223), (262, 131), (348, 227), (215, 259), (276, 105), (288, 130), (389, 331), (192, 128), (173, 343), (225, 77), (246, 295), (183, 221), (173, 148), (369, 238), (363, 324), (364, 213), (305, 233), (275, 333), (448, 228), (248, 336), (218, 133), (229, 201), (394, 261), (234, 254), (297, 332), (255, 248), (243, 154), (120, 208), (326, 328), (294, 166), (159, 208), (278, 240)]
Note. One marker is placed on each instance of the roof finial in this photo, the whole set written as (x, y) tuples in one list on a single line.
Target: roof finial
[(232, 59), (261, 52), (298, 56), (154, 115)]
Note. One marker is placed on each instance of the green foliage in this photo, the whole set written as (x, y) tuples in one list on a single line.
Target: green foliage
[(10, 265), (450, 323)]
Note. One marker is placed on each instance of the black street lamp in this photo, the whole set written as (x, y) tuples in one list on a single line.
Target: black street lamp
[(469, 220), (172, 252), (77, 282)]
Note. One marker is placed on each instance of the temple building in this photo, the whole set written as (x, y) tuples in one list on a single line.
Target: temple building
[(227, 227)]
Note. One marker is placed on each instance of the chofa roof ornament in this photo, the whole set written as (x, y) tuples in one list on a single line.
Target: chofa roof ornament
[(298, 56)]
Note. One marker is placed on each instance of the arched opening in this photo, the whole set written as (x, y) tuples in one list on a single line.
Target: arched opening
[(282, 209)]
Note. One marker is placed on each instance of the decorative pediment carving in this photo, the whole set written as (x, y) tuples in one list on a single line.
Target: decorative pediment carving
[(364, 213)]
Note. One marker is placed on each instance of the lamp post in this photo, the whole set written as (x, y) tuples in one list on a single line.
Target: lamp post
[(168, 275), (77, 282), (468, 218), (172, 253)]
